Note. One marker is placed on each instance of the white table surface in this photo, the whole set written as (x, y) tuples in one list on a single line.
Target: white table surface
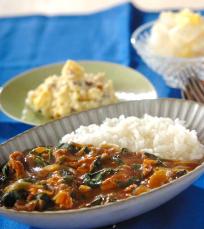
[(53, 7)]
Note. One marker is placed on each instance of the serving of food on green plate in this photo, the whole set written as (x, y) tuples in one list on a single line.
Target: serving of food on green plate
[(73, 91), (57, 90)]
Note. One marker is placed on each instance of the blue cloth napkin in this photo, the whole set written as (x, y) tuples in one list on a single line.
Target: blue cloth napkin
[(27, 42)]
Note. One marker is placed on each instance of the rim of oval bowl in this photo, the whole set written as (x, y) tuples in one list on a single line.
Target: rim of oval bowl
[(199, 169)]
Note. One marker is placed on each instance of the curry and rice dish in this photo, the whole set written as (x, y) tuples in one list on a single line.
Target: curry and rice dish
[(73, 90), (100, 164), (73, 176)]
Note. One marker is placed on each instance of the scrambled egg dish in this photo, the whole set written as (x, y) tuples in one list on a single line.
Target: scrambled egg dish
[(178, 34), (74, 90)]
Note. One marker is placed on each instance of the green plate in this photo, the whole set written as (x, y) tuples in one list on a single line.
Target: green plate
[(128, 83)]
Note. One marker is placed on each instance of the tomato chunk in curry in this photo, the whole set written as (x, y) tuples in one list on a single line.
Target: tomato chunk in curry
[(73, 176)]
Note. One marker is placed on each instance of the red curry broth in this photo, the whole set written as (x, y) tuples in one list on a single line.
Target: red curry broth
[(74, 176)]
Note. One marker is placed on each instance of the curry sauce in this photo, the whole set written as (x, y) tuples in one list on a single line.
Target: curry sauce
[(73, 176)]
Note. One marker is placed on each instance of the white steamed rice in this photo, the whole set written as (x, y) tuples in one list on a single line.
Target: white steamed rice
[(163, 137)]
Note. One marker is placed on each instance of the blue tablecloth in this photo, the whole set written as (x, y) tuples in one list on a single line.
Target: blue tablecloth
[(27, 42)]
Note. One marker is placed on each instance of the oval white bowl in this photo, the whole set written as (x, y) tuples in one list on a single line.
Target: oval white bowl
[(50, 133)]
